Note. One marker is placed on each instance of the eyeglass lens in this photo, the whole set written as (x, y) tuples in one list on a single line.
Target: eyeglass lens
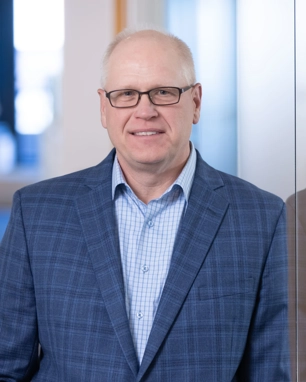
[(159, 96)]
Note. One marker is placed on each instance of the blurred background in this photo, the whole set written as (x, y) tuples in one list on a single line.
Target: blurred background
[(250, 58)]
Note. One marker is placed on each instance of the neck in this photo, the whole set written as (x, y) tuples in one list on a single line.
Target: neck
[(150, 183)]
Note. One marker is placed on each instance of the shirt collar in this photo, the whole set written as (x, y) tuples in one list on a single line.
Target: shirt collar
[(184, 180)]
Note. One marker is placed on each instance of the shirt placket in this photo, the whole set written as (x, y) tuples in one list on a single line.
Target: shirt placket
[(141, 306)]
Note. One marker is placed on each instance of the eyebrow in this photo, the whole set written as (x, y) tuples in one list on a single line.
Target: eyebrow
[(149, 88)]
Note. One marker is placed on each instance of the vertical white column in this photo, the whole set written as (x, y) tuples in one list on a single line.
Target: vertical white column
[(265, 78), (301, 94), (145, 11), (88, 29), (216, 66)]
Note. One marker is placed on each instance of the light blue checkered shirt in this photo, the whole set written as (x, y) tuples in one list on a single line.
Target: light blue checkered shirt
[(147, 233)]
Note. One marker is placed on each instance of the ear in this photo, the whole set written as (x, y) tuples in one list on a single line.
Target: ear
[(103, 101), (197, 97)]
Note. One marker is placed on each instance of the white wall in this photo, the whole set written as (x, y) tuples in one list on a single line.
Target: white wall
[(145, 11), (265, 32), (301, 93), (89, 28)]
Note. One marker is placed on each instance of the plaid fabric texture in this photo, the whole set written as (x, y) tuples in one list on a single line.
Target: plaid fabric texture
[(222, 315)]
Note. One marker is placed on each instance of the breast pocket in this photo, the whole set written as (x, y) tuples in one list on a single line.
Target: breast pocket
[(226, 288)]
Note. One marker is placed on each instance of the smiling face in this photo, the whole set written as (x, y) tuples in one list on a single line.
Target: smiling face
[(148, 137)]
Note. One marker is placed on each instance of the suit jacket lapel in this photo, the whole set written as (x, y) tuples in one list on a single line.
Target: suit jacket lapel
[(198, 228), (97, 217)]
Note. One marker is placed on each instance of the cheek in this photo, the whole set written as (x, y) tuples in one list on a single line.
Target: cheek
[(183, 122), (115, 121), (108, 117)]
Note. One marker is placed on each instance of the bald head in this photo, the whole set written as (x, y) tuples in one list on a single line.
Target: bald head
[(153, 38)]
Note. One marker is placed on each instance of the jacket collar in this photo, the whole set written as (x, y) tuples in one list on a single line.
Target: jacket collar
[(197, 231)]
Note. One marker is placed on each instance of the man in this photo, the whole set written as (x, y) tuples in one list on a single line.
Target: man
[(151, 266)]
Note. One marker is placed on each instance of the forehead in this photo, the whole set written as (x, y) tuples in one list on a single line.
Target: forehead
[(145, 60)]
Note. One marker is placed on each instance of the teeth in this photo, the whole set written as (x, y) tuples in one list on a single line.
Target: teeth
[(146, 133)]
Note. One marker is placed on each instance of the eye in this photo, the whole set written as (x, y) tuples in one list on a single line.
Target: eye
[(163, 92), (124, 94), (166, 92), (128, 93)]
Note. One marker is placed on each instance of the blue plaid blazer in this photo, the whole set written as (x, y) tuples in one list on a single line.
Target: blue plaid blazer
[(223, 313)]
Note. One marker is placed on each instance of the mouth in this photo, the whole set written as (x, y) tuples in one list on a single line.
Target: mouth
[(146, 133)]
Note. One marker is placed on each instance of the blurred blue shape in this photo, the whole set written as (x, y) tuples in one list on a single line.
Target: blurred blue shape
[(4, 218), (209, 28), (7, 149)]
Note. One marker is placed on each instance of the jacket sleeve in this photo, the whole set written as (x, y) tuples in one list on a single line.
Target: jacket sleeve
[(18, 324), (266, 356)]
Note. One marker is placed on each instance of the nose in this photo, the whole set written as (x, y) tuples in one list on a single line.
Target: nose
[(145, 108)]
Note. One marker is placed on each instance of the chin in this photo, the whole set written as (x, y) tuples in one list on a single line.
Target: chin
[(149, 160)]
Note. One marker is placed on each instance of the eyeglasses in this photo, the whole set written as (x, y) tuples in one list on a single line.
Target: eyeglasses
[(162, 96)]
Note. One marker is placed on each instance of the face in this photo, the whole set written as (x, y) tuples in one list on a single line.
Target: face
[(148, 137)]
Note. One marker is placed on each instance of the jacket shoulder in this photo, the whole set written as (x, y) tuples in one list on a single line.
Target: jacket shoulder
[(74, 183)]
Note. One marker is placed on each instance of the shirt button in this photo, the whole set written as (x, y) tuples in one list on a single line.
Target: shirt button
[(150, 223), (139, 315), (145, 268)]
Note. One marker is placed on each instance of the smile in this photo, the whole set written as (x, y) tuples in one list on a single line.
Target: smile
[(147, 133)]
